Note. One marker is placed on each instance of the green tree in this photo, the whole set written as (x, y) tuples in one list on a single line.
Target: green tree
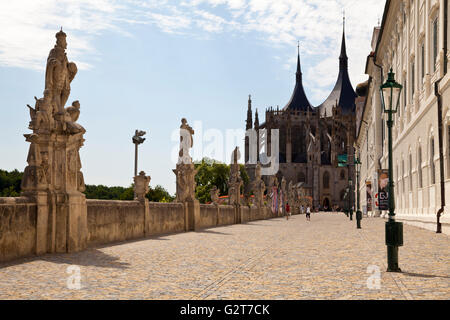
[(213, 173), (10, 183), (159, 194)]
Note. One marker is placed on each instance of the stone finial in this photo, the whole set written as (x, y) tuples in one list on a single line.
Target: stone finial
[(214, 192), (141, 186)]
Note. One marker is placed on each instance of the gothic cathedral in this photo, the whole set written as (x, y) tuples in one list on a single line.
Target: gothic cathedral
[(313, 139)]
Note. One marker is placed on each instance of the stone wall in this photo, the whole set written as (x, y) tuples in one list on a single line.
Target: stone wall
[(166, 218), (17, 228), (112, 221)]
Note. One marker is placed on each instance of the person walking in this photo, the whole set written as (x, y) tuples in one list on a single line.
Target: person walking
[(308, 213), (288, 211)]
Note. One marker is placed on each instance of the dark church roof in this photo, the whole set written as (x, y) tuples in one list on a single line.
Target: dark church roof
[(299, 101), (343, 93)]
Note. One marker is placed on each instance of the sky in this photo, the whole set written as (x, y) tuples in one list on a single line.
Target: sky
[(145, 64)]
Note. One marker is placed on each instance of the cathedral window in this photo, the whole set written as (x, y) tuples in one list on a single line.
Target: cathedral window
[(326, 180), (342, 174)]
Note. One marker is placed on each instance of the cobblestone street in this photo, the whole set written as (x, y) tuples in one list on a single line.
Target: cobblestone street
[(327, 258)]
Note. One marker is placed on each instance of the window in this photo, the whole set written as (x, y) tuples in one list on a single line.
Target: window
[(301, 177), (423, 62), (448, 152), (410, 173), (326, 180), (342, 174), (413, 84), (419, 167), (403, 175), (435, 43), (404, 94), (432, 166)]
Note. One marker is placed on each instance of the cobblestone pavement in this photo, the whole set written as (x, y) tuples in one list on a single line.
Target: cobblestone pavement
[(327, 258)]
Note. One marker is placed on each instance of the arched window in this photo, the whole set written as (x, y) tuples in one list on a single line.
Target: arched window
[(326, 180), (410, 173), (301, 177), (403, 176), (342, 174), (432, 167), (419, 167)]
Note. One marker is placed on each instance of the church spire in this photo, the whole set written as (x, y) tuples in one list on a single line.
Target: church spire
[(299, 70), (256, 120), (249, 114), (343, 57), (299, 101)]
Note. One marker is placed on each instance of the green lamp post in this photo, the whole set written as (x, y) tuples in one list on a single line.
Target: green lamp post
[(358, 211), (350, 191), (390, 98)]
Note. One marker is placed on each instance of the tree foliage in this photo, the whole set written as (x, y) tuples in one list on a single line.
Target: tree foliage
[(213, 173), (10, 183), (10, 187)]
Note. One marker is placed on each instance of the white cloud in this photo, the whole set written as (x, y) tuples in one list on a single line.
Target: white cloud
[(26, 25)]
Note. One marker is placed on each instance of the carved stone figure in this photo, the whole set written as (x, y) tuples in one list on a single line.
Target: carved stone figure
[(53, 178), (59, 73), (259, 187), (71, 116), (141, 186), (214, 192), (235, 181), (186, 142)]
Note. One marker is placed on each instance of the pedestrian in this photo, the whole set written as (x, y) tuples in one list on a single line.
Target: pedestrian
[(308, 213), (288, 211), (302, 210)]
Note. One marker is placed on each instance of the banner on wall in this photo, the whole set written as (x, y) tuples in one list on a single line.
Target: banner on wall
[(382, 197), (369, 195)]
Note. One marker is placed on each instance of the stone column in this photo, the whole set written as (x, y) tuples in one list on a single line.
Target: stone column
[(141, 188)]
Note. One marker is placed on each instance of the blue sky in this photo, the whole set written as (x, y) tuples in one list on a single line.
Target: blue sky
[(146, 64)]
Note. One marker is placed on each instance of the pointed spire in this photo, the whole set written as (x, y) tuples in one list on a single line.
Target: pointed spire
[(343, 57), (298, 101), (256, 120), (249, 113), (299, 71)]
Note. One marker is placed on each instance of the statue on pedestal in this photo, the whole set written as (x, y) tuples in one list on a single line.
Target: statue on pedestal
[(141, 186), (258, 187), (185, 171), (235, 181)]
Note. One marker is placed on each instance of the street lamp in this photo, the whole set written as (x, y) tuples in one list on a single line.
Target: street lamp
[(137, 140), (390, 94), (350, 208), (358, 211)]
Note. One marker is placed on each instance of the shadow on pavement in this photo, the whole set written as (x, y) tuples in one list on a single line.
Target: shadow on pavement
[(418, 275)]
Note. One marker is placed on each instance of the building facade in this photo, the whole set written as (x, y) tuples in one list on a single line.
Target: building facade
[(413, 41), (311, 139)]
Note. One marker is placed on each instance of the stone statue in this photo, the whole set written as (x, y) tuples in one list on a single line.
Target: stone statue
[(71, 115), (214, 192), (259, 187), (53, 177), (186, 142), (141, 186), (235, 181), (59, 73)]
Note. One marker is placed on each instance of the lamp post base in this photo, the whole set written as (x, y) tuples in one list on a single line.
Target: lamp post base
[(358, 219), (393, 259)]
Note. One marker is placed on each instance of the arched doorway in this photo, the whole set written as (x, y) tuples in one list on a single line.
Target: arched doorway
[(326, 204)]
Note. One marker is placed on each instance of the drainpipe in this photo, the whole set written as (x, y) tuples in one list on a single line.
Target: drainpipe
[(441, 123), (441, 154)]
